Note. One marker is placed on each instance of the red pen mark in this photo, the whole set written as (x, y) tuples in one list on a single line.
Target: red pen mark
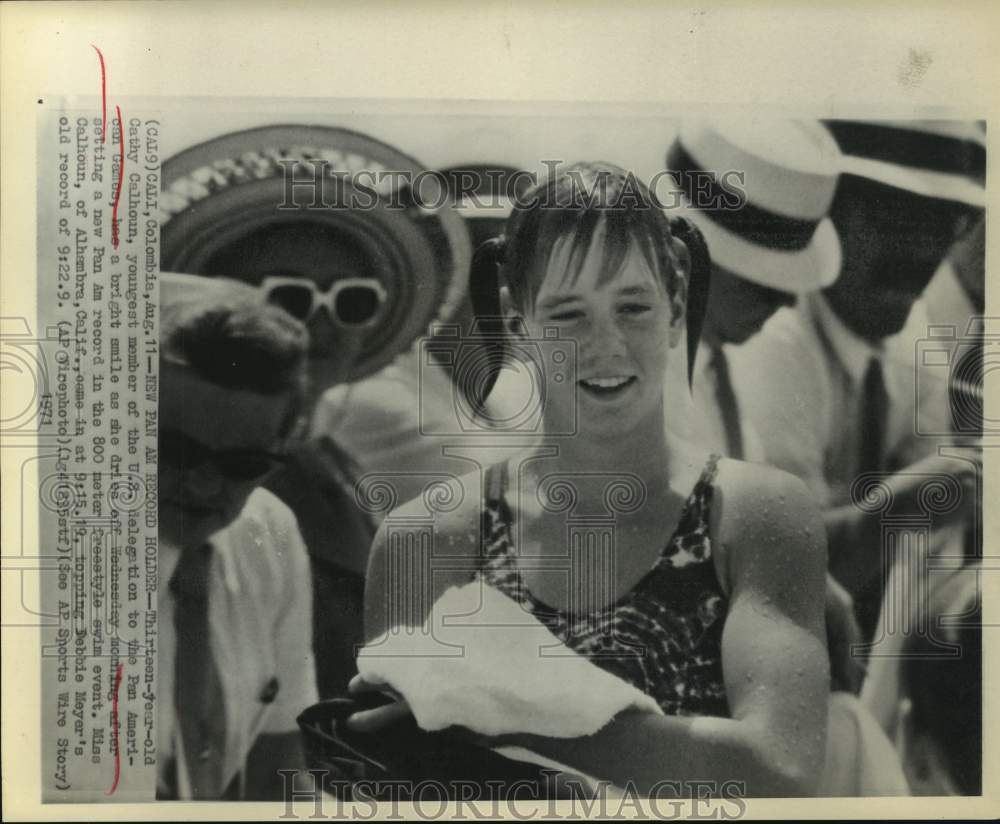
[(114, 731), (104, 96), (121, 174)]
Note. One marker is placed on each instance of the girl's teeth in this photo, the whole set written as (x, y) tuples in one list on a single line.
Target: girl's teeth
[(607, 383)]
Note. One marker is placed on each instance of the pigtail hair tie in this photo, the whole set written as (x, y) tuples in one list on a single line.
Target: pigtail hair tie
[(697, 287), (478, 379)]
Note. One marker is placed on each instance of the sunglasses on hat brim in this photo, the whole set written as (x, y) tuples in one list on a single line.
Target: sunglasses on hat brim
[(351, 302)]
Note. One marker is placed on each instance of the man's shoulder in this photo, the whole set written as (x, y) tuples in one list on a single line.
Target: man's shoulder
[(789, 330), (787, 349), (265, 536), (265, 508), (788, 324)]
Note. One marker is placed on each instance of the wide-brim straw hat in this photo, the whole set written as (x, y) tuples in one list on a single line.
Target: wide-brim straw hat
[(222, 215)]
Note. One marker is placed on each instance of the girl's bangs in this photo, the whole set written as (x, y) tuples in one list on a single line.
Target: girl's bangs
[(565, 239)]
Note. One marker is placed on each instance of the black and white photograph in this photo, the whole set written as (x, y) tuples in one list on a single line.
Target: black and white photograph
[(662, 422), (605, 457)]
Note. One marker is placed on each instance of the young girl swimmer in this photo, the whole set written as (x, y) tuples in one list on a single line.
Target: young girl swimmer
[(710, 598)]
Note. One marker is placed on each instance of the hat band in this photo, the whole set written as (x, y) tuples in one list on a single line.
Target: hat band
[(752, 223), (910, 148)]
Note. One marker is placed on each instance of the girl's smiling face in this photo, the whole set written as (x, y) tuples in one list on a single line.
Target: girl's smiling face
[(623, 324)]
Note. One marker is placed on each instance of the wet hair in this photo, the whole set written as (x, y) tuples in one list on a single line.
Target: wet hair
[(228, 336), (946, 691), (571, 206)]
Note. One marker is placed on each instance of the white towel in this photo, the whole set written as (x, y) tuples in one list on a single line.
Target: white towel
[(483, 662)]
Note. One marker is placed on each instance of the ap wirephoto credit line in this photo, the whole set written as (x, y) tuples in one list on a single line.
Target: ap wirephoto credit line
[(97, 432)]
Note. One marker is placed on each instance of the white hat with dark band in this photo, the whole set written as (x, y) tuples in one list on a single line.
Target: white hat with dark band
[(939, 159), (760, 192)]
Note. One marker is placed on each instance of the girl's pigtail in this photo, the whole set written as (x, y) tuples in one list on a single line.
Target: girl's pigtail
[(479, 378), (698, 282)]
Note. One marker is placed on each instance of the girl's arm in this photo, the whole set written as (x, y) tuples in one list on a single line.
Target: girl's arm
[(774, 660), (773, 650), (407, 574)]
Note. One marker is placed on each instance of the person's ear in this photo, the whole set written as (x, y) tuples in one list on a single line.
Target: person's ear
[(513, 320)]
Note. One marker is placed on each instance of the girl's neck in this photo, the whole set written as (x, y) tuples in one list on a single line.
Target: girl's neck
[(642, 451)]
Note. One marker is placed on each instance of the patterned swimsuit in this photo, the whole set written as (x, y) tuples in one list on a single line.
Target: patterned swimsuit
[(665, 635)]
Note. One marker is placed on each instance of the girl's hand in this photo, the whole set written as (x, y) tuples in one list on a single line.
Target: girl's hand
[(375, 719)]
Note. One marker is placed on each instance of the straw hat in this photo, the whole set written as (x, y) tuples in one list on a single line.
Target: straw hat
[(760, 191), (221, 215), (940, 159)]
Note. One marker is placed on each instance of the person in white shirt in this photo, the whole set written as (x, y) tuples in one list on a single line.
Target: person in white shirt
[(770, 241), (235, 661), (835, 392)]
